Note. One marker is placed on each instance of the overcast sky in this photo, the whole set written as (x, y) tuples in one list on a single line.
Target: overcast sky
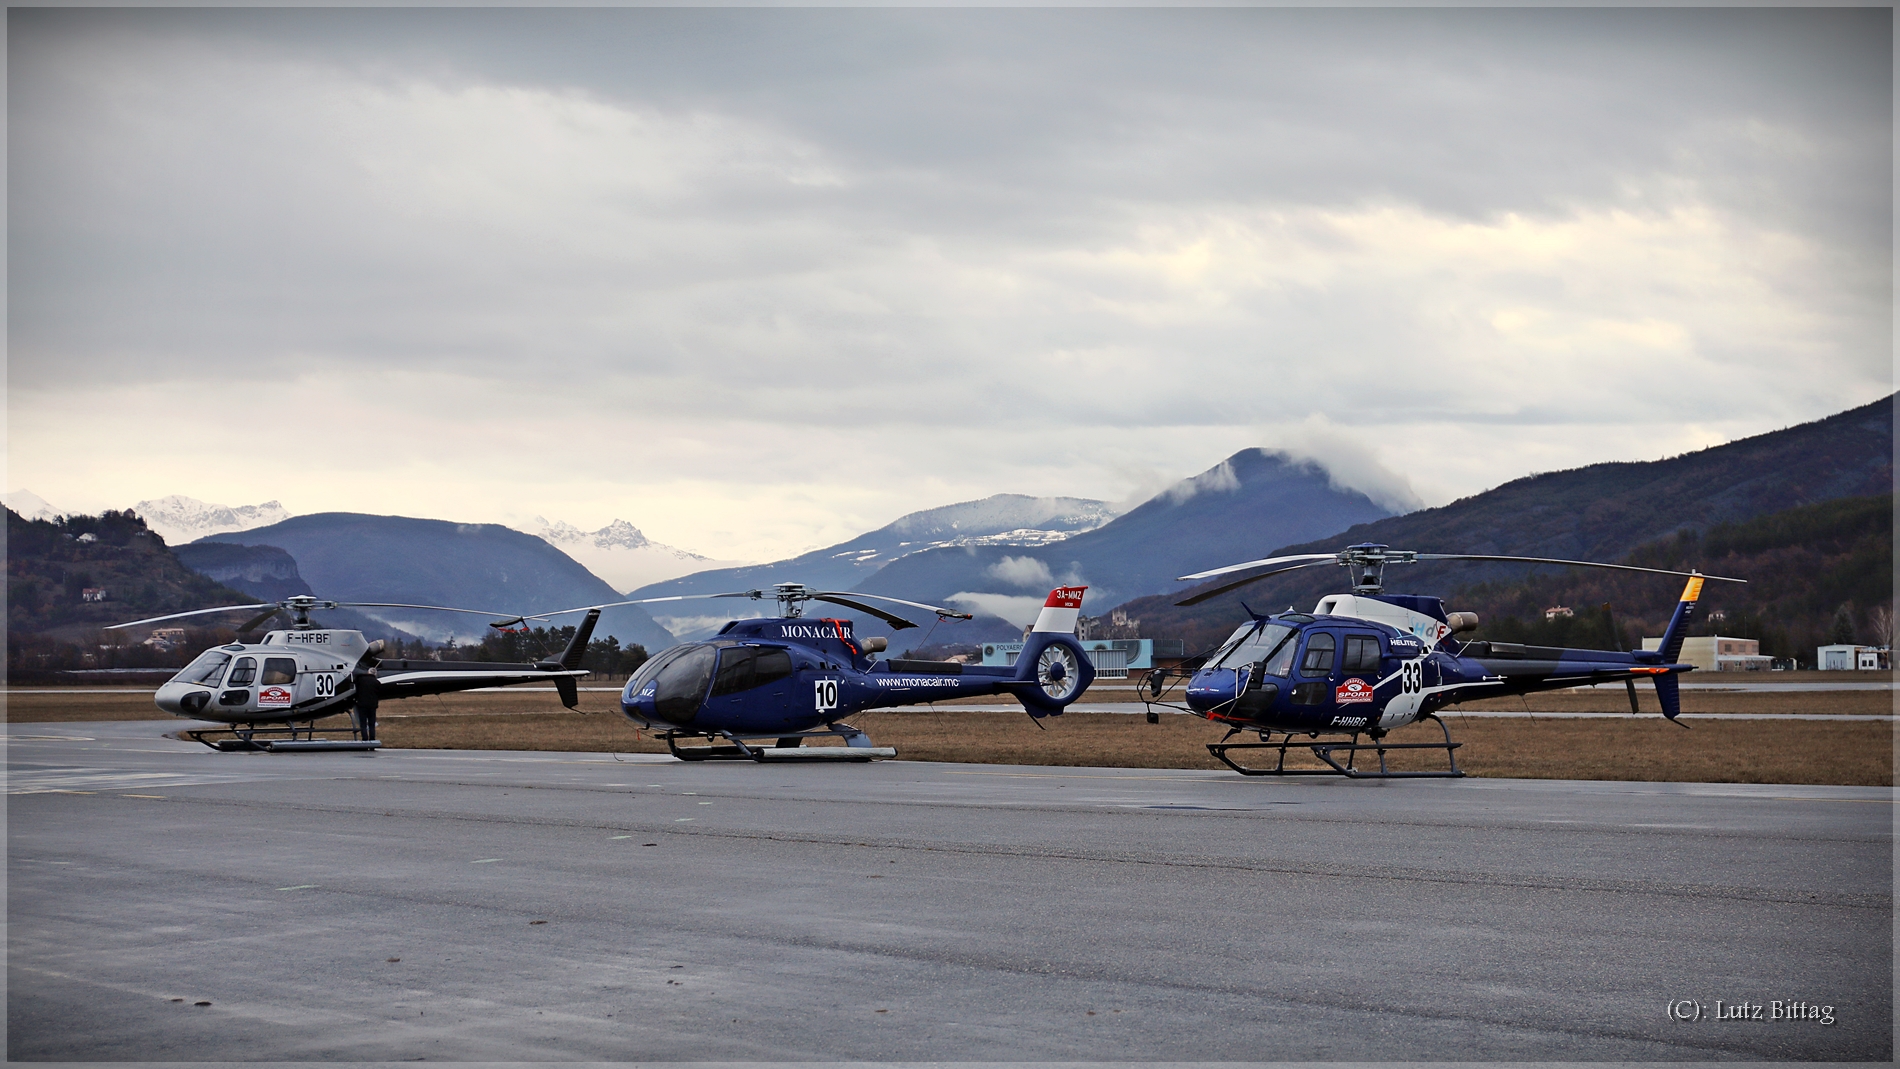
[(759, 280)]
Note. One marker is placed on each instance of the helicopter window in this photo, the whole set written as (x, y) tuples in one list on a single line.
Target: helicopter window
[(279, 671), (680, 684), (243, 672), (1281, 663), (652, 667), (1252, 643), (1362, 653), (772, 665), (745, 667), (206, 670), (1319, 655)]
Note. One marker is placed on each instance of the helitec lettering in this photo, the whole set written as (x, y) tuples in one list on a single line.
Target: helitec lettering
[(916, 681)]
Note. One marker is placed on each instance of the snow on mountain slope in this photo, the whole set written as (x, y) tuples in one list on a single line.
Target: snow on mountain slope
[(179, 519), (1000, 520), (32, 506), (620, 554)]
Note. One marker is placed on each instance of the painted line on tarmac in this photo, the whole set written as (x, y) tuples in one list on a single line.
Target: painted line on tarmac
[(1131, 709)]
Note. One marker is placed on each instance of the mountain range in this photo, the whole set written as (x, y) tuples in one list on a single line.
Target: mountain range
[(1601, 512), (620, 554), (1213, 517), (1013, 520), (346, 556), (999, 555)]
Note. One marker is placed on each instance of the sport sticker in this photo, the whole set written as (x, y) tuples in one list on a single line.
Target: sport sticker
[(268, 697), (1352, 691)]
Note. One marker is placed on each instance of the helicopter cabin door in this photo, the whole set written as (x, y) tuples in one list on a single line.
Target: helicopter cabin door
[(752, 686), (1336, 674), (1355, 680), (1313, 677), (237, 686), (277, 684)]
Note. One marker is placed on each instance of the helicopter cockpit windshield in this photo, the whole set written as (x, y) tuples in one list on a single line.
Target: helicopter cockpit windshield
[(1250, 643), (679, 677), (205, 671)]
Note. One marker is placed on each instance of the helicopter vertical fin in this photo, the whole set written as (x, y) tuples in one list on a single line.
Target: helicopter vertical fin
[(577, 647), (1671, 645), (1668, 695), (1060, 611)]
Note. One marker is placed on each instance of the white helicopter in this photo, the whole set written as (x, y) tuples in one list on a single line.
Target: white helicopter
[(269, 694)]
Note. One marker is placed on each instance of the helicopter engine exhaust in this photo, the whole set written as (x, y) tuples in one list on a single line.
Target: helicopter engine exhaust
[(1461, 622)]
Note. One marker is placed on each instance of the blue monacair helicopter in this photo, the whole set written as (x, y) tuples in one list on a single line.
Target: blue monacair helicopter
[(1367, 662), (761, 687)]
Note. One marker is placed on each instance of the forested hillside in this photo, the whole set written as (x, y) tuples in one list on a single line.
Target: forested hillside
[(129, 572), (1817, 574), (1604, 512)]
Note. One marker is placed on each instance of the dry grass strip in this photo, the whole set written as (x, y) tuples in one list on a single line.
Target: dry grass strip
[(1624, 748)]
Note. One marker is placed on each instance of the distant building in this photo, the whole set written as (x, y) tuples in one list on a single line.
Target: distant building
[(165, 638), (1719, 653), (93, 593), (1559, 612), (1853, 658)]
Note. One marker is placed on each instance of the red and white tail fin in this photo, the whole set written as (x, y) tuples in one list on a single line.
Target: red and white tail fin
[(1060, 611)]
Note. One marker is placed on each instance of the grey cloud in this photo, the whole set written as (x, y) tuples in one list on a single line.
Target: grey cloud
[(759, 220)]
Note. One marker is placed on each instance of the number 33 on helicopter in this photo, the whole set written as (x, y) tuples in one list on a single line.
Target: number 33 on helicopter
[(1368, 662)]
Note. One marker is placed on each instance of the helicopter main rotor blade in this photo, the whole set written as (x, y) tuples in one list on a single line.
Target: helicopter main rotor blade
[(1577, 563), (1238, 583), (1212, 572), (951, 614), (254, 622), (437, 608), (753, 594), (182, 615), (897, 622)]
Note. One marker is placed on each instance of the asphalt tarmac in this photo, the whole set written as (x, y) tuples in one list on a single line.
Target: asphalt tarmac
[(167, 903)]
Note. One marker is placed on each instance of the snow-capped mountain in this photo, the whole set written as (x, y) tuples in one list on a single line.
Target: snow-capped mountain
[(1001, 520), (620, 554), (179, 519), (32, 506)]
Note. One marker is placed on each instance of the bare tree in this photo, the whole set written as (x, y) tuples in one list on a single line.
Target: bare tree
[(1880, 622)]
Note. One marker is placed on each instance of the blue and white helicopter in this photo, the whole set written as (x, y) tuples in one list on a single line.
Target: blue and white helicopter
[(1368, 662), (761, 687)]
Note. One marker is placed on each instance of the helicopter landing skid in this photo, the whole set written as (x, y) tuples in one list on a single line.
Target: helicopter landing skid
[(788, 747), (1325, 751), (289, 738)]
